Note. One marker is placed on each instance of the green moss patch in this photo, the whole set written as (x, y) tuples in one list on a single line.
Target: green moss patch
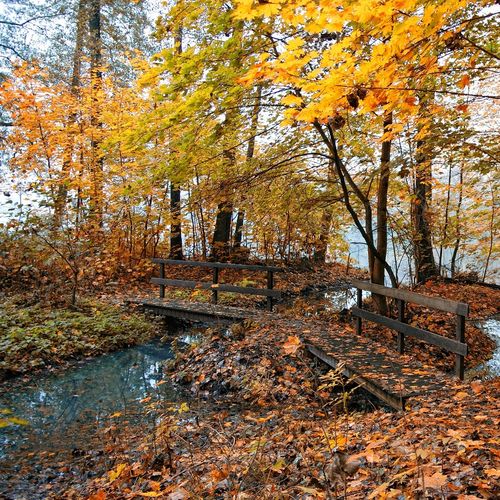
[(35, 336)]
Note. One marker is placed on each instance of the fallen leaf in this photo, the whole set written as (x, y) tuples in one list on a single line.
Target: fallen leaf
[(100, 495), (291, 346), (492, 472), (114, 474), (436, 481)]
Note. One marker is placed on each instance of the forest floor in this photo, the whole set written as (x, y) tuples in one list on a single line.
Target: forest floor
[(264, 420)]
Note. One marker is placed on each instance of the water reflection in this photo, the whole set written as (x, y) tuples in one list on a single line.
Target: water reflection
[(491, 368), (63, 408)]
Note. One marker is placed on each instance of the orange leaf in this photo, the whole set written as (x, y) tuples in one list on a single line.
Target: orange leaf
[(436, 481), (100, 495), (292, 345), (464, 81), (492, 472)]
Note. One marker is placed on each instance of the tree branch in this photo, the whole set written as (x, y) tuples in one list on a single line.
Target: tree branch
[(30, 20), (12, 49)]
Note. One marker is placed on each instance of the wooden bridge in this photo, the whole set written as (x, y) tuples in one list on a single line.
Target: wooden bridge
[(380, 369)]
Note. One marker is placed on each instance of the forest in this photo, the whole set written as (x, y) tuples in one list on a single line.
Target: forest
[(334, 140)]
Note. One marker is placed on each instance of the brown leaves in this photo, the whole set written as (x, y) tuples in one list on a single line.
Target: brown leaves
[(341, 467), (436, 481), (292, 345)]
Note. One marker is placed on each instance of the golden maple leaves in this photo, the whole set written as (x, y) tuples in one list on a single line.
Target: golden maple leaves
[(394, 48)]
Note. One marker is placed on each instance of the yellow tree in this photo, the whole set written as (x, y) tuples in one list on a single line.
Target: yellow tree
[(388, 61)]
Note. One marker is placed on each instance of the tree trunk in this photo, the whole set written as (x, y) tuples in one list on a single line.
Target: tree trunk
[(492, 233), (238, 230), (444, 236), (347, 181), (325, 225), (62, 191), (322, 244), (458, 233), (378, 272), (425, 265), (97, 163), (175, 195), (175, 225), (221, 247), (221, 242)]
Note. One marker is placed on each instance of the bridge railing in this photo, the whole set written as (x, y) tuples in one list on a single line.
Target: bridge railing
[(214, 285), (460, 309)]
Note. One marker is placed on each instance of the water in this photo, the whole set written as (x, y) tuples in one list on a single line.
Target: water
[(67, 411), (333, 300), (491, 368), (402, 263)]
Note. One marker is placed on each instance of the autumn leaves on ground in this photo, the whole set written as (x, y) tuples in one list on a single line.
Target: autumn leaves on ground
[(266, 421), (321, 136), (263, 419)]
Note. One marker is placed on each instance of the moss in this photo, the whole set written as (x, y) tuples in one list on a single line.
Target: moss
[(35, 336)]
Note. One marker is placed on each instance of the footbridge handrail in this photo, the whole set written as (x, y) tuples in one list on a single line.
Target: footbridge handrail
[(460, 309)]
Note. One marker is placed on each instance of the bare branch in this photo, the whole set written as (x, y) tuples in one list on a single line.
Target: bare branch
[(12, 49), (30, 20)]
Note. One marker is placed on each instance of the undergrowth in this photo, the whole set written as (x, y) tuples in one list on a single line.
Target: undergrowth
[(34, 336)]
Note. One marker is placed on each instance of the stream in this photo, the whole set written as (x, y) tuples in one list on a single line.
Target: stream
[(491, 368), (67, 412)]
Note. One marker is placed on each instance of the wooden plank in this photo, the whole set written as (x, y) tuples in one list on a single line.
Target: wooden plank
[(195, 316), (395, 401), (373, 362), (270, 286), (460, 336), (432, 338), (219, 265), (200, 311), (416, 298), (221, 287)]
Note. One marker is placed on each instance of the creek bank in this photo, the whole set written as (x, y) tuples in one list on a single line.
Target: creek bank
[(36, 337), (71, 420)]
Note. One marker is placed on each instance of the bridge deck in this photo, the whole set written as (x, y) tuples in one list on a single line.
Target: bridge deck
[(383, 372), (199, 311), (380, 370)]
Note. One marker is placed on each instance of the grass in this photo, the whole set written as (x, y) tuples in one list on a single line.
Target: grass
[(35, 336)]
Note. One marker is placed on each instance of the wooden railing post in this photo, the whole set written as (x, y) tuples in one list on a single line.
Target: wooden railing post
[(215, 281), (270, 284), (460, 336), (162, 276), (401, 317), (359, 303)]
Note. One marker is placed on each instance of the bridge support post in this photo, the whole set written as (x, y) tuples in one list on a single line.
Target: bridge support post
[(460, 336), (162, 276), (215, 281), (401, 317), (359, 303), (270, 284)]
